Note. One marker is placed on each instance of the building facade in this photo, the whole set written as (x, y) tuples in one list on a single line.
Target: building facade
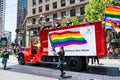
[(8, 35), (21, 16), (2, 16), (50, 10)]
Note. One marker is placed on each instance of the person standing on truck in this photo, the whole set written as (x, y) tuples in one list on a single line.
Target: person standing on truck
[(69, 22), (57, 24)]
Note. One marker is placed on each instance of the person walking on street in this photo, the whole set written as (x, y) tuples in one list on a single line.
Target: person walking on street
[(5, 57), (96, 59), (61, 54), (110, 52)]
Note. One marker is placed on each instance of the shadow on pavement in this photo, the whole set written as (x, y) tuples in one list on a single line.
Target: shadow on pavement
[(65, 77), (8, 68), (99, 69), (102, 70)]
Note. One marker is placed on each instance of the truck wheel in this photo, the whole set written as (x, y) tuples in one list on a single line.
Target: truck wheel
[(21, 60), (75, 63)]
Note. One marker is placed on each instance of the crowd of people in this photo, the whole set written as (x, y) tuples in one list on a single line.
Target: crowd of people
[(57, 24)]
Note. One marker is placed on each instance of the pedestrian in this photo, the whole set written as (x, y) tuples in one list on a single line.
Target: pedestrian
[(61, 54), (5, 57), (15, 51), (110, 52), (96, 59)]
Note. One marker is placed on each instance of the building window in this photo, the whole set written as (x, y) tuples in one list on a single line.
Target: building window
[(33, 21), (63, 14), (40, 9), (40, 1), (47, 7), (54, 16), (82, 10), (82, 0), (72, 1), (34, 11), (54, 5), (34, 2), (47, 18), (31, 33), (47, 0), (72, 12), (63, 3), (35, 33)]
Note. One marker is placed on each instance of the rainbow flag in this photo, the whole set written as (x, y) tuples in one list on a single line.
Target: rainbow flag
[(112, 26), (41, 16), (112, 13), (116, 27), (109, 26), (67, 38)]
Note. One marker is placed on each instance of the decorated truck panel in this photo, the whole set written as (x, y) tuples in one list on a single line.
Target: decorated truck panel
[(78, 40)]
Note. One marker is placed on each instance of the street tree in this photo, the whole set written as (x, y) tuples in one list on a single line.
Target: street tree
[(17, 30), (74, 20), (95, 9)]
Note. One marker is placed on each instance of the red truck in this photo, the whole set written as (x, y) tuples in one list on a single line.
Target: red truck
[(80, 42)]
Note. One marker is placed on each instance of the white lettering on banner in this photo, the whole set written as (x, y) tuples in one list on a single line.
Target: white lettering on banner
[(82, 50), (45, 49)]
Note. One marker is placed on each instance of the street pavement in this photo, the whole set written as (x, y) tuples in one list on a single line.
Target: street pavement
[(9, 75), (108, 69)]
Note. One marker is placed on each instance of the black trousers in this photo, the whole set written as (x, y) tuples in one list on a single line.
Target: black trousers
[(94, 59), (61, 68)]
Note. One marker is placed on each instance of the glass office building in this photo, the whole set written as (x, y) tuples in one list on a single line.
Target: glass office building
[(21, 12), (2, 16), (21, 16)]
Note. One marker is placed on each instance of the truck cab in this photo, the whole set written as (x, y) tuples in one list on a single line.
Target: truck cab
[(30, 54)]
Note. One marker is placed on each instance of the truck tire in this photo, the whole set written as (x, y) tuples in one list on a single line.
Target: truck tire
[(21, 60), (75, 63)]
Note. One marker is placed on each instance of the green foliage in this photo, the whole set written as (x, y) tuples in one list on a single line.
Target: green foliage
[(95, 9), (116, 2), (63, 22), (74, 20), (17, 30)]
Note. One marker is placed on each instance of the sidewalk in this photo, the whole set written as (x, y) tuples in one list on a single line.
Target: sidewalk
[(9, 75), (107, 63)]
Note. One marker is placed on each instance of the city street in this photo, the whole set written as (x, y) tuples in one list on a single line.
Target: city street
[(108, 69), (82, 35)]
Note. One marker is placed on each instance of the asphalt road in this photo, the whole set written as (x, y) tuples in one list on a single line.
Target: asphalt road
[(94, 72)]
